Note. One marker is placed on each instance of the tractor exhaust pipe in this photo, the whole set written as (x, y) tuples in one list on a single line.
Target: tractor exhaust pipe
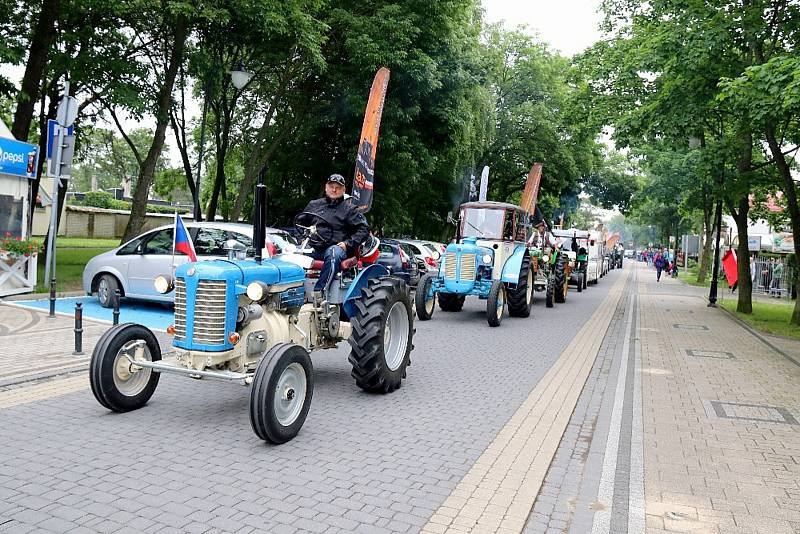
[(260, 214)]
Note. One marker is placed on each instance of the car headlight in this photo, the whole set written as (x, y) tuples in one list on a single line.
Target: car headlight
[(545, 258), (163, 283), (256, 291), (487, 259)]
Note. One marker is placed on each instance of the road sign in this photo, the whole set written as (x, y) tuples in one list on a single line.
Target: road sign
[(67, 111), (18, 158), (52, 134)]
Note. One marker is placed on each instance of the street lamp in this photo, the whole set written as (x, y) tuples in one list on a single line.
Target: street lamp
[(240, 77)]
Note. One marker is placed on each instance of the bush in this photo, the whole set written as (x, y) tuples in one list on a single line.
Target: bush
[(99, 199)]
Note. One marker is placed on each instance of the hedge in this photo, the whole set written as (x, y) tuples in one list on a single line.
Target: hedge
[(105, 200)]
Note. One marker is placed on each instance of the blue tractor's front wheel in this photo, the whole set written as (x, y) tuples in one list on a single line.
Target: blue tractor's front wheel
[(495, 304), (281, 396), (425, 298)]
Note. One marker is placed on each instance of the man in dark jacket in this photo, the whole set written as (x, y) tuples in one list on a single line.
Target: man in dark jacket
[(348, 226)]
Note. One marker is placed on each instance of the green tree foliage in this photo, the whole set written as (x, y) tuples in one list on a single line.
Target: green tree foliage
[(657, 80), (538, 118), (614, 182)]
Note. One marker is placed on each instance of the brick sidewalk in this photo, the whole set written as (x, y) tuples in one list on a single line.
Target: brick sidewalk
[(720, 410), (33, 346)]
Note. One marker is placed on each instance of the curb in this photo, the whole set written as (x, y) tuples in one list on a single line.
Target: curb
[(42, 296), (758, 335)]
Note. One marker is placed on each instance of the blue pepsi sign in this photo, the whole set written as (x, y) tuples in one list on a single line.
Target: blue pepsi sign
[(18, 158)]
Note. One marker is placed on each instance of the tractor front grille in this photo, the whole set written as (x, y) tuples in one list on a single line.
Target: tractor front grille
[(208, 323), (180, 309), (451, 263), (468, 267)]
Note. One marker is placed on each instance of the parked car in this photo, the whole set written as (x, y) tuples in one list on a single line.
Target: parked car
[(398, 261), (132, 267), (429, 252)]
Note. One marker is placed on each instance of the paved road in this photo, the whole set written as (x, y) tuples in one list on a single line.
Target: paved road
[(189, 461)]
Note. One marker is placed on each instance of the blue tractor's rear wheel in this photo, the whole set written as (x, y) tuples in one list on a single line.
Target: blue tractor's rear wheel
[(383, 331)]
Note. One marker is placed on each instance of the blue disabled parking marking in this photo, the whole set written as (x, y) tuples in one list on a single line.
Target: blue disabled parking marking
[(152, 315)]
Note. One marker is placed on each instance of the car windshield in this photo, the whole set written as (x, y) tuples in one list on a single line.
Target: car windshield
[(484, 223)]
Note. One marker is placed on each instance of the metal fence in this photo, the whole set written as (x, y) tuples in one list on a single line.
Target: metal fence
[(772, 277)]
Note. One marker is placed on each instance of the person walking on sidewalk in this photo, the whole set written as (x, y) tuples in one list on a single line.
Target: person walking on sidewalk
[(660, 261)]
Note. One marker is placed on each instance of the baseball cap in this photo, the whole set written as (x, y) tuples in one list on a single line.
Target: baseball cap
[(337, 178)]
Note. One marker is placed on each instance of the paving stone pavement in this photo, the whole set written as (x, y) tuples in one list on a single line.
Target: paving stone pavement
[(569, 493), (722, 443), (189, 461)]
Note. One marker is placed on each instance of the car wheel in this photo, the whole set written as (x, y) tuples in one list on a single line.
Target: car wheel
[(106, 287)]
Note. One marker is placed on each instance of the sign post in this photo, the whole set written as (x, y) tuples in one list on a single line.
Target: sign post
[(65, 117)]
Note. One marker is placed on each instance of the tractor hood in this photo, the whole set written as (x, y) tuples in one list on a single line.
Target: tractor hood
[(270, 271)]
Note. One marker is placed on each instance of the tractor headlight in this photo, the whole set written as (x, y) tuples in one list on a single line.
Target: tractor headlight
[(163, 283), (487, 259), (256, 291), (545, 258)]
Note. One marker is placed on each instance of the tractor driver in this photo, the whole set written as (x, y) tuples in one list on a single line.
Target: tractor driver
[(349, 229)]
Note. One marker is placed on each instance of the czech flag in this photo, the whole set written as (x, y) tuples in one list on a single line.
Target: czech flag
[(183, 241)]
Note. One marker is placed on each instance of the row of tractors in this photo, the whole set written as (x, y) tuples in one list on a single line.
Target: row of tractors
[(256, 321), (499, 255)]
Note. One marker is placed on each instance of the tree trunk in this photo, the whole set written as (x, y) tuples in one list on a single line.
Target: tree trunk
[(41, 41), (745, 284), (745, 287), (705, 253), (147, 169), (258, 159), (43, 116), (790, 189), (180, 136), (222, 130)]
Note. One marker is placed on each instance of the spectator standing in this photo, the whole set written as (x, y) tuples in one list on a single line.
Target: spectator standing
[(766, 274), (777, 275)]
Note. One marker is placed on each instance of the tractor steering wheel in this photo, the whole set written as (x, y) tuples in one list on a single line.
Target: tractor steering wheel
[(319, 232)]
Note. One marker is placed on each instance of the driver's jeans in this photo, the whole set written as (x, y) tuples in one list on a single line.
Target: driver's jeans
[(333, 257)]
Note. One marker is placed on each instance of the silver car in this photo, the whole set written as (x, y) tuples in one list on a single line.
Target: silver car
[(425, 250), (132, 267)]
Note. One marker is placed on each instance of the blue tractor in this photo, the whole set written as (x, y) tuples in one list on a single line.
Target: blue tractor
[(488, 259), (254, 322)]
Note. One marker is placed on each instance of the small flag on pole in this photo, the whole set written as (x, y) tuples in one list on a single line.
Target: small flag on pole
[(183, 241)]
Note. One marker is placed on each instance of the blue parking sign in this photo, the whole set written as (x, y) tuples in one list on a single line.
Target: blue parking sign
[(18, 158), (52, 132)]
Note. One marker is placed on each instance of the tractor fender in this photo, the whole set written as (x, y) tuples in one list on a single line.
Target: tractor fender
[(361, 280), (513, 265)]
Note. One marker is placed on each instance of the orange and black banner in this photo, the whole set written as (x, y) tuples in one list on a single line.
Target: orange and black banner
[(364, 181), (531, 192)]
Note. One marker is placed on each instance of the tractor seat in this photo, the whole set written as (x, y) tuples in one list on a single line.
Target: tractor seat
[(347, 263)]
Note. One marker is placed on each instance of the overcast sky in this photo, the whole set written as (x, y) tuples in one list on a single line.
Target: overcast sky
[(570, 26)]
